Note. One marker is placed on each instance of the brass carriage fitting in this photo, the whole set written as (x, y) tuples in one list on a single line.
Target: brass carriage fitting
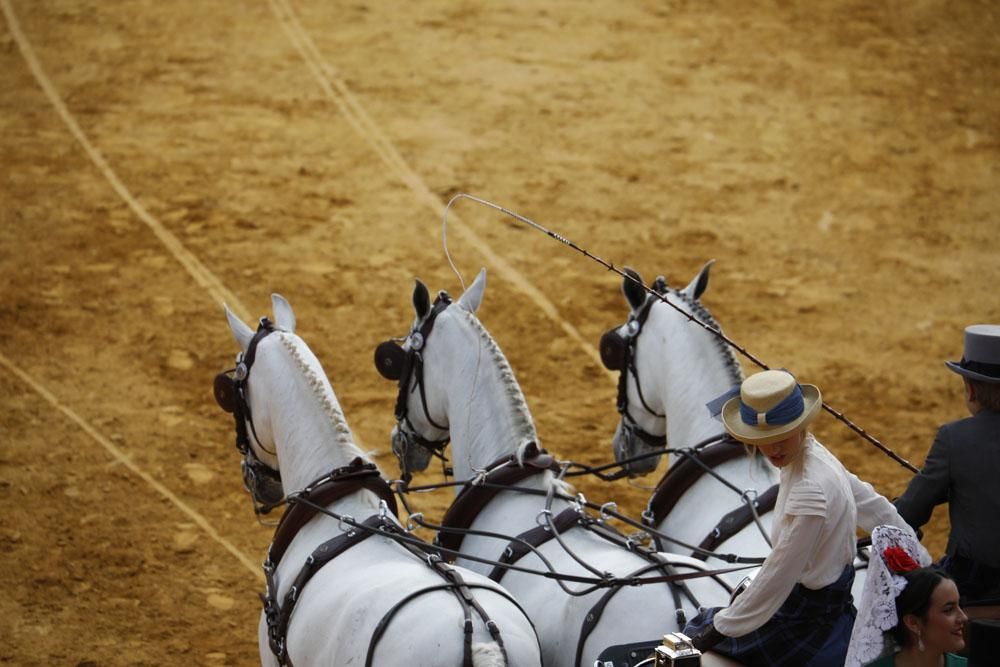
[(677, 651)]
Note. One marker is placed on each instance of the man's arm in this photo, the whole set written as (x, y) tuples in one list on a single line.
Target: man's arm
[(930, 486)]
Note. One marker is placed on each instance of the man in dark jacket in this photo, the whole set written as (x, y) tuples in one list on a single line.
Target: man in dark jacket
[(963, 470)]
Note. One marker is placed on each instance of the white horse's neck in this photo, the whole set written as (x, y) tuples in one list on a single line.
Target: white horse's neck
[(689, 366), (486, 412), (301, 413)]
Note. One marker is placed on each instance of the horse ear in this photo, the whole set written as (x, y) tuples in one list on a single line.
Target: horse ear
[(698, 286), (421, 300), (632, 288), (283, 315), (472, 297), (241, 332)]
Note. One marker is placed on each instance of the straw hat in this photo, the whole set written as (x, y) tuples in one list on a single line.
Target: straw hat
[(771, 406), (981, 357)]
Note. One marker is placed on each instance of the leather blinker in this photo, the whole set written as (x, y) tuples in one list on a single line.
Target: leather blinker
[(390, 358), (225, 392), (613, 348)]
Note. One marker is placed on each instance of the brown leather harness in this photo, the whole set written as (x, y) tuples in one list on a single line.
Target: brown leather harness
[(683, 474), (508, 471), (305, 505)]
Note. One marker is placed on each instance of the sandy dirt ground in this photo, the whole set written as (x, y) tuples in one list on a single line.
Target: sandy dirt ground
[(838, 161)]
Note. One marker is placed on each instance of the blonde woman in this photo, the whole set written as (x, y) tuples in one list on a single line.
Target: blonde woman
[(798, 610)]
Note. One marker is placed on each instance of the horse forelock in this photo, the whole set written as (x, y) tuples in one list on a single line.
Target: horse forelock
[(510, 385), (297, 351), (698, 309)]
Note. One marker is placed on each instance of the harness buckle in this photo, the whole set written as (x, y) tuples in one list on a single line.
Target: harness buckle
[(410, 521), (648, 517), (602, 517)]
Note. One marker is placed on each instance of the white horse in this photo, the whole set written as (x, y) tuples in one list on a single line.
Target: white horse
[(671, 368), (455, 382), (378, 601)]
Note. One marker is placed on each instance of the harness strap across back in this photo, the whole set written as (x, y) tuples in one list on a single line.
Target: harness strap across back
[(462, 591), (278, 616), (537, 536)]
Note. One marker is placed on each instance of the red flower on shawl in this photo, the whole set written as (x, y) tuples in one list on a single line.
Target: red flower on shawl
[(898, 561)]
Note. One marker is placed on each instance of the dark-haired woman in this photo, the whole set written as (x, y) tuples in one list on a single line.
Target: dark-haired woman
[(931, 622)]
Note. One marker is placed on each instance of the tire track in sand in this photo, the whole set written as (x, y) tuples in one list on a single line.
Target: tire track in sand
[(123, 458), (202, 275)]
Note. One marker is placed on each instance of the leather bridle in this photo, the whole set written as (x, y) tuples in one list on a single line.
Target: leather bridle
[(261, 480), (618, 354), (405, 363)]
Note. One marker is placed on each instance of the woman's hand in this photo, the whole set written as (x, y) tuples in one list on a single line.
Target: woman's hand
[(707, 638)]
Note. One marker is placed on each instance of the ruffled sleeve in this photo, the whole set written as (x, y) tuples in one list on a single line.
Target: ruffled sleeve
[(806, 498)]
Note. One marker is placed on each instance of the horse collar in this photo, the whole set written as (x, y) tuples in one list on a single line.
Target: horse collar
[(327, 489), (504, 472)]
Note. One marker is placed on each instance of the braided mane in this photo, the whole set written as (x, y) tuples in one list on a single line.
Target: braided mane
[(341, 430), (701, 312), (522, 415)]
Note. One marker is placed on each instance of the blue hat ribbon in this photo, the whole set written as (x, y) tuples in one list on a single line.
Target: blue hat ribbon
[(788, 410), (715, 405)]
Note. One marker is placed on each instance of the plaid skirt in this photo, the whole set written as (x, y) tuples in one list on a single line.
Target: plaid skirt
[(810, 628)]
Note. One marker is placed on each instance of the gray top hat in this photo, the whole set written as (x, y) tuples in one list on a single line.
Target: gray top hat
[(981, 358)]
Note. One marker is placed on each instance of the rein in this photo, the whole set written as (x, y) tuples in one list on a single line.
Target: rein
[(691, 318)]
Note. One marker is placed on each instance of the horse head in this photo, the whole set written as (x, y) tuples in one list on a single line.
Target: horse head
[(440, 369), (667, 367), (267, 394)]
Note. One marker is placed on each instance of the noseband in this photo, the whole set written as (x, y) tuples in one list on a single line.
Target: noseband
[(618, 354), (406, 364), (262, 481)]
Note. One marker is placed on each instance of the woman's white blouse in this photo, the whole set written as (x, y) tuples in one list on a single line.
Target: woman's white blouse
[(819, 506)]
